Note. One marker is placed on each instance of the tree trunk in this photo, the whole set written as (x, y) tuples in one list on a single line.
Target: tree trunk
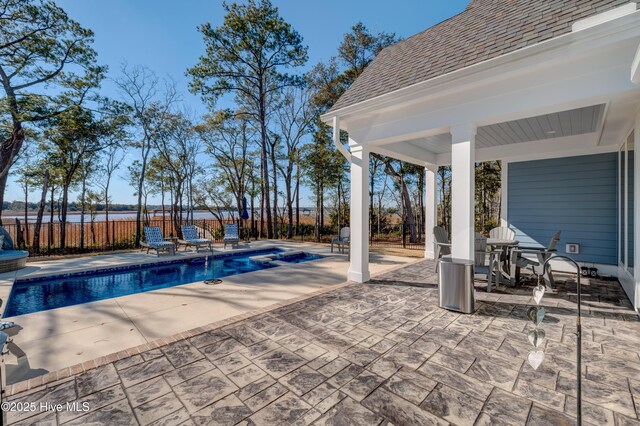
[(163, 212), (63, 212), (289, 209), (379, 212), (406, 199), (191, 197), (41, 206), (10, 148), (26, 212), (145, 155), (253, 230), (177, 208), (298, 197), (52, 203), (106, 209), (82, 210), (275, 191), (261, 210), (263, 161), (321, 204), (371, 207), (318, 204)]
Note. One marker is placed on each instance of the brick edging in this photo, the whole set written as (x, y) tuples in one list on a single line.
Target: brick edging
[(67, 372)]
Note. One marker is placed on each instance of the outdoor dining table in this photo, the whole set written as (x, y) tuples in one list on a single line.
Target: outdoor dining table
[(505, 267)]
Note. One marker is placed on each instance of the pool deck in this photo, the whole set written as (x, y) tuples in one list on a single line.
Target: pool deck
[(62, 337), (379, 353)]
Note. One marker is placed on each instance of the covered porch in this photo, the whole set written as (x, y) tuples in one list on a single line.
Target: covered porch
[(563, 118), (365, 354)]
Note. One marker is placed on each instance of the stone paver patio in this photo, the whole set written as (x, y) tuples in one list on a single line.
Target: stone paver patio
[(375, 353)]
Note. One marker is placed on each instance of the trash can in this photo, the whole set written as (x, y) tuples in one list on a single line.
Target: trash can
[(455, 285)]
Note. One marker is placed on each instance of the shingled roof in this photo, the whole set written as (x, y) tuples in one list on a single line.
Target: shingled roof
[(486, 29)]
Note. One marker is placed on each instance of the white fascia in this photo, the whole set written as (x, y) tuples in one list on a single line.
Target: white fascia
[(601, 18)]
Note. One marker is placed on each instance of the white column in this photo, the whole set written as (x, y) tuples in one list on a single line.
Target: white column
[(431, 208), (359, 266), (463, 191), (636, 214), (504, 193)]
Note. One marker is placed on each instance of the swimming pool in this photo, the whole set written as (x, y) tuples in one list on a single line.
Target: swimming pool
[(44, 293)]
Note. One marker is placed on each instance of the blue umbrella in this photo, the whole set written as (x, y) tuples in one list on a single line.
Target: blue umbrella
[(245, 214)]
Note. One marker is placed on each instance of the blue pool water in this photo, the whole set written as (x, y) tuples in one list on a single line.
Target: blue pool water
[(41, 294)]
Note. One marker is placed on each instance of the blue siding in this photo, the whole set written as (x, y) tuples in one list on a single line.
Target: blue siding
[(576, 195)]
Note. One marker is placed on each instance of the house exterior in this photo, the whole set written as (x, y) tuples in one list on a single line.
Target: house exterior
[(550, 88)]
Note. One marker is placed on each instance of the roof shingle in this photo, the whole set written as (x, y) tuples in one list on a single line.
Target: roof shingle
[(485, 30)]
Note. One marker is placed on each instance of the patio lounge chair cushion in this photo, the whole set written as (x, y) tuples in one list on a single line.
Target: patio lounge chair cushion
[(190, 234), (154, 237), (231, 233)]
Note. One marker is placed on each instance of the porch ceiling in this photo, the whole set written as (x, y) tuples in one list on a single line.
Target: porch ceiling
[(556, 125)]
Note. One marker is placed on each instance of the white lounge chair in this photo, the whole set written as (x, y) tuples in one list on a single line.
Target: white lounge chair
[(342, 240), (231, 235), (190, 238), (155, 240)]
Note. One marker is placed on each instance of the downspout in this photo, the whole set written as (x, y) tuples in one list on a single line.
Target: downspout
[(336, 139)]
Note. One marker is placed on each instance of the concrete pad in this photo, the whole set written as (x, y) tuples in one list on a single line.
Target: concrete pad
[(61, 337)]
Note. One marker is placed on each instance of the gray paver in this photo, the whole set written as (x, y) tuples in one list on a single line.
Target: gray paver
[(375, 353)]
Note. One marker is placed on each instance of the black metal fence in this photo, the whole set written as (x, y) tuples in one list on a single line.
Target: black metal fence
[(103, 236), (396, 236)]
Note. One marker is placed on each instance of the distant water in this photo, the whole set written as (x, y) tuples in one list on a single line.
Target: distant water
[(75, 217)]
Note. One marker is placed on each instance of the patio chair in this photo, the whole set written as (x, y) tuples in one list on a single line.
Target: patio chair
[(155, 240), (502, 233), (342, 240), (190, 238), (542, 255), (481, 266), (231, 235), (442, 246)]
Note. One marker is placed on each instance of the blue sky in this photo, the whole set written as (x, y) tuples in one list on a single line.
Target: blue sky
[(163, 36)]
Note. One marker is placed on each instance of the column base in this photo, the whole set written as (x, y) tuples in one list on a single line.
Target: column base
[(429, 254), (359, 277)]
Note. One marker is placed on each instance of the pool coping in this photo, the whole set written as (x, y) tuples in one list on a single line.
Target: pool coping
[(135, 266), (65, 374), (8, 283)]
